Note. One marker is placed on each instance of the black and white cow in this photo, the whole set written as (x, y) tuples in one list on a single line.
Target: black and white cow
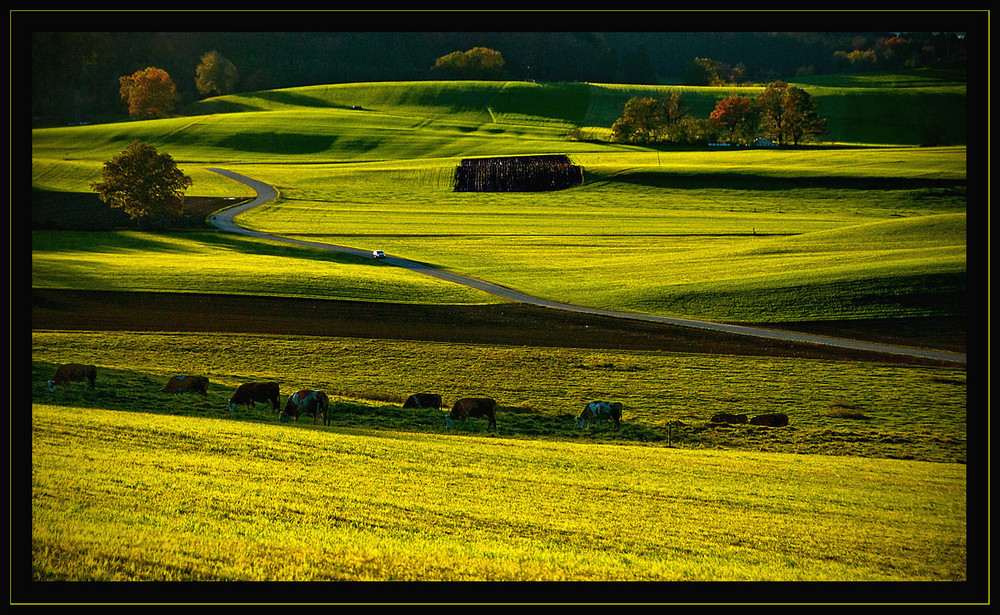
[(597, 411), (306, 401)]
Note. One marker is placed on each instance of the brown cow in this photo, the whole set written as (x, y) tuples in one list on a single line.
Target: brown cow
[(723, 417), (306, 401), (189, 384), (246, 394), (423, 400), (775, 419), (476, 407), (73, 372)]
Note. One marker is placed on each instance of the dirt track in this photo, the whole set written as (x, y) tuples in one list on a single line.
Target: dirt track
[(507, 324), (513, 324), (225, 220)]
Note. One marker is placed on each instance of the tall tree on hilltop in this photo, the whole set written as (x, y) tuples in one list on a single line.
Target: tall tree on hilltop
[(215, 74), (476, 63), (148, 92), (145, 183)]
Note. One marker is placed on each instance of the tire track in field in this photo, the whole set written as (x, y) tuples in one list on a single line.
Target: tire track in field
[(266, 193)]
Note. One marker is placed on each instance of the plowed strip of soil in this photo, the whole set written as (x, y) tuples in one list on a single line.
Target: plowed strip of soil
[(504, 324)]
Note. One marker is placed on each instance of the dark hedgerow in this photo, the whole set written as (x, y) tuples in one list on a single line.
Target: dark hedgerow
[(517, 174)]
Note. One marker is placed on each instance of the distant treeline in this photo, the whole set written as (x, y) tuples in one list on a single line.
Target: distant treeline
[(74, 75)]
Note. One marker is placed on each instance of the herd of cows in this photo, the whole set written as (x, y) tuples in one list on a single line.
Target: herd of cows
[(315, 402)]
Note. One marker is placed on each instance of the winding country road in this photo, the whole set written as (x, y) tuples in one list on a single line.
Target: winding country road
[(266, 193)]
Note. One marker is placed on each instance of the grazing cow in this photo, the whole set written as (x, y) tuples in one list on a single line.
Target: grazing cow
[(250, 392), (423, 400), (775, 419), (476, 407), (187, 384), (723, 417), (306, 401), (73, 372), (598, 410)]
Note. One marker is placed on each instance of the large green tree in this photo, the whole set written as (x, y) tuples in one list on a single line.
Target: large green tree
[(145, 183), (703, 71), (476, 63), (805, 123), (648, 119), (216, 74), (148, 92), (788, 114)]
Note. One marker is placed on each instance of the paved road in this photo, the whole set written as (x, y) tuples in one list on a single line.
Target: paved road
[(267, 193)]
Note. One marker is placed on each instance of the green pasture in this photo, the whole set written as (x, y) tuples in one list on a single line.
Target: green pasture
[(867, 483), (674, 233), (129, 496), (719, 234), (209, 262), (834, 407), (648, 231)]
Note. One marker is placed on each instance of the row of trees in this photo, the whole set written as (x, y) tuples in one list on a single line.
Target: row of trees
[(706, 71), (912, 50), (784, 114), (75, 65), (151, 92)]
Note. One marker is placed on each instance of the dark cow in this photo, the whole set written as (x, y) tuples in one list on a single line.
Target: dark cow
[(423, 400), (73, 372), (775, 419), (600, 410), (187, 384), (306, 401), (723, 417), (476, 407), (250, 392)]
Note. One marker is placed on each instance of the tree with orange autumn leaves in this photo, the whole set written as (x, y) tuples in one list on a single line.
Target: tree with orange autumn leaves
[(738, 116), (148, 92)]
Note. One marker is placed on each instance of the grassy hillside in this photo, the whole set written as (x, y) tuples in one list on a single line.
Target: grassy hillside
[(380, 176), (121, 496), (873, 109), (867, 483), (228, 264)]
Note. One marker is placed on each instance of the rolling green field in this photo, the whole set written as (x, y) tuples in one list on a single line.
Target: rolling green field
[(736, 227), (229, 264), (867, 483), (180, 498)]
